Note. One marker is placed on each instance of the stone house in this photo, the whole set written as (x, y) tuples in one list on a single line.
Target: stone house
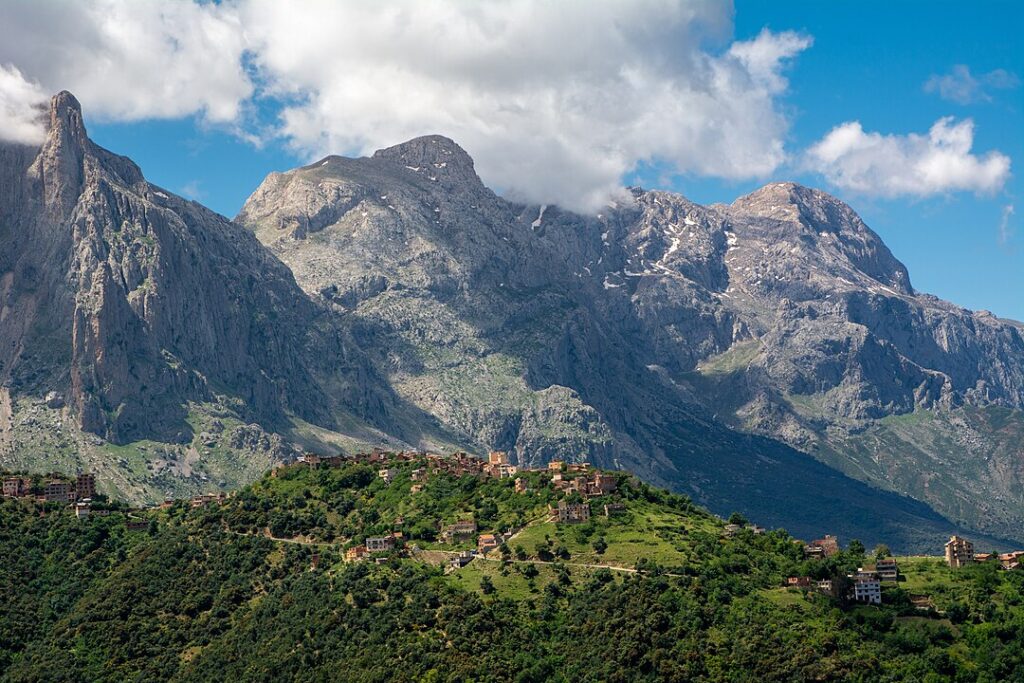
[(380, 544), (356, 553), (613, 509), (16, 487), (887, 569), (461, 560), (572, 512), (85, 486), (459, 532), (58, 491), (486, 543), (822, 547), (959, 552)]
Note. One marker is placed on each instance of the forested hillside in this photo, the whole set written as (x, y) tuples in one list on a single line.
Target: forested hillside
[(257, 589)]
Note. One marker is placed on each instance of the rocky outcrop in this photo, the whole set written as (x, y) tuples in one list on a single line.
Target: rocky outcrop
[(133, 303)]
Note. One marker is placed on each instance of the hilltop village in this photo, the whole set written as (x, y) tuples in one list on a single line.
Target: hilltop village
[(576, 491)]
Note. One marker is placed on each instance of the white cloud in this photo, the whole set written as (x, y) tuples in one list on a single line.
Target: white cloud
[(127, 60), (1005, 231), (555, 101), (20, 99), (962, 87), (917, 165)]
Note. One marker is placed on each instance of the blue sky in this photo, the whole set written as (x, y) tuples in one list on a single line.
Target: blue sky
[(536, 95)]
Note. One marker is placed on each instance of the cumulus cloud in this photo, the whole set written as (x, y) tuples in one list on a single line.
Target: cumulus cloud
[(913, 164), (962, 87), (20, 99), (555, 101), (128, 60)]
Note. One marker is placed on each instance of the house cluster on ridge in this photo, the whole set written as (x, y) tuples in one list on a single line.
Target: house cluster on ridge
[(53, 490)]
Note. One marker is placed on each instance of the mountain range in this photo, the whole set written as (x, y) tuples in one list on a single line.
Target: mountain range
[(769, 356)]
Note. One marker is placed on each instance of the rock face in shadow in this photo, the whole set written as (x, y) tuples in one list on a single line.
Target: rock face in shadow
[(132, 302), (642, 336)]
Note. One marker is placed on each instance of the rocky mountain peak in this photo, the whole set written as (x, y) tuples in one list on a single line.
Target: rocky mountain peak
[(59, 165), (789, 211), (793, 202), (66, 116), (434, 155)]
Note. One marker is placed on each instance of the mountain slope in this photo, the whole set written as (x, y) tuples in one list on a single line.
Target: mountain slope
[(641, 336), (142, 332)]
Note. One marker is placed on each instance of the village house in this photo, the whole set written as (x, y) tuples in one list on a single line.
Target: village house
[(17, 487), (572, 512), (380, 544), (208, 499), (613, 509), (135, 524), (505, 471), (922, 603), (798, 582), (81, 509), (388, 474), (887, 569), (418, 474), (415, 488), (356, 553), (959, 552), (578, 466), (867, 589), (167, 504), (730, 530), (486, 543), (57, 491), (556, 465), (824, 586), (757, 530), (461, 560), (521, 486), (497, 458), (822, 547), (85, 486), (984, 557), (868, 571), (459, 532), (1011, 560)]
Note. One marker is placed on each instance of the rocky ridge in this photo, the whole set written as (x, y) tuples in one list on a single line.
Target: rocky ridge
[(654, 322)]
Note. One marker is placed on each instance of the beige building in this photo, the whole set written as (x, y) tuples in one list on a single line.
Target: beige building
[(959, 552)]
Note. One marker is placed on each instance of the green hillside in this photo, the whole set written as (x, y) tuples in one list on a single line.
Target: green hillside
[(257, 589)]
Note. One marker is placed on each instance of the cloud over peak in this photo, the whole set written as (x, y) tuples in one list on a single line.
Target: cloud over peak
[(917, 165), (555, 101)]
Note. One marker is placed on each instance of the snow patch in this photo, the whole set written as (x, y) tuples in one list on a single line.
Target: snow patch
[(413, 168), (540, 217)]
